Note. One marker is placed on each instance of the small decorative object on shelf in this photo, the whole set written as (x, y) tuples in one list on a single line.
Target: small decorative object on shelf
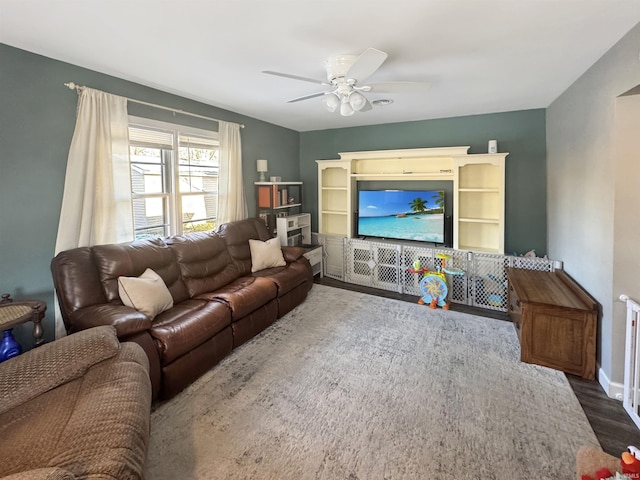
[(261, 167), (9, 347)]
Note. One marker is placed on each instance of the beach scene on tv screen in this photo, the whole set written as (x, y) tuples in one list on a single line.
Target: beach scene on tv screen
[(402, 214)]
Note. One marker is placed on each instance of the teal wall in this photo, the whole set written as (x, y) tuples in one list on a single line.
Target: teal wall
[(520, 133), (37, 118)]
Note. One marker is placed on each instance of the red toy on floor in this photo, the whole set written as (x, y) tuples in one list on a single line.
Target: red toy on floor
[(600, 475), (630, 462)]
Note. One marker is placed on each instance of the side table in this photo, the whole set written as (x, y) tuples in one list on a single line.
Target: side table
[(15, 313), (313, 253)]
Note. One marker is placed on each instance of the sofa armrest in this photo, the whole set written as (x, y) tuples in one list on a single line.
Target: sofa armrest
[(37, 371), (51, 473), (291, 254), (126, 320)]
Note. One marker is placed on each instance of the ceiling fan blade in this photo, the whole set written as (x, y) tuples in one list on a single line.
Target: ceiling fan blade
[(367, 63), (306, 97), (295, 77), (398, 87)]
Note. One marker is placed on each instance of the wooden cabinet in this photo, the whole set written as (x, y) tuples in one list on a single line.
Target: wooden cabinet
[(478, 189), (555, 320)]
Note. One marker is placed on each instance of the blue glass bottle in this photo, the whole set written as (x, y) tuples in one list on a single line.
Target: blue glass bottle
[(9, 348)]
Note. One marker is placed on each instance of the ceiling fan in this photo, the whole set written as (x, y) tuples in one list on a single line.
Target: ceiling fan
[(346, 75)]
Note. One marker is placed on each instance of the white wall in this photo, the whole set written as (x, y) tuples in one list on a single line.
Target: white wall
[(582, 192), (626, 248)]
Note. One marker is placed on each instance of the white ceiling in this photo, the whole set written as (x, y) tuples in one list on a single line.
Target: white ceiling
[(478, 56)]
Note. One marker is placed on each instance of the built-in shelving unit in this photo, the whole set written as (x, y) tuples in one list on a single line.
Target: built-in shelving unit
[(277, 198), (335, 190), (478, 189), (294, 229), (479, 205)]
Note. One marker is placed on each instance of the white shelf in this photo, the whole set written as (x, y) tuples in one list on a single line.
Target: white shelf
[(479, 190), (277, 183), (289, 205), (334, 212), (479, 220), (401, 174), (344, 189), (473, 248)]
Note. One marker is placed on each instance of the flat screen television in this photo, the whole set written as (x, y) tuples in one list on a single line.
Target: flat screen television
[(402, 214)]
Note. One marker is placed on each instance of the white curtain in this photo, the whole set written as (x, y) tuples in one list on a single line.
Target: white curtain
[(232, 204), (96, 204)]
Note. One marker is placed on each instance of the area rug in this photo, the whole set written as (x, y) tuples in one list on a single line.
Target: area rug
[(358, 387)]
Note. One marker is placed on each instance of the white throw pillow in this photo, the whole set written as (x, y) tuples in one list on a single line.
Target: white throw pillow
[(147, 293), (266, 254)]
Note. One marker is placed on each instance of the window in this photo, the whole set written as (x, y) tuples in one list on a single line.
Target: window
[(174, 178)]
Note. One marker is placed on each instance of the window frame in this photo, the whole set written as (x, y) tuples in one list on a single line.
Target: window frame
[(171, 196)]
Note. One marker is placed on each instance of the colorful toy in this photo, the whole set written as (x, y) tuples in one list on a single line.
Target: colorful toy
[(434, 282), (630, 462), (601, 474)]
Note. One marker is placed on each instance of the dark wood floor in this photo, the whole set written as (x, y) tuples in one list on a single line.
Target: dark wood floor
[(613, 427)]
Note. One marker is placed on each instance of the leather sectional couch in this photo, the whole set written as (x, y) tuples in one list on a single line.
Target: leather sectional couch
[(218, 302)]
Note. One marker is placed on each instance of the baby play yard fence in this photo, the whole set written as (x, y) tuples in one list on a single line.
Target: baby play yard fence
[(632, 361)]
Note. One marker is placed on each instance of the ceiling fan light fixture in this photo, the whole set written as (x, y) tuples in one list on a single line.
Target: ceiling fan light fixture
[(346, 110), (331, 102), (357, 101)]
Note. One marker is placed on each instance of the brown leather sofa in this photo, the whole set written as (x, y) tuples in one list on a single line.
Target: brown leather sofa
[(218, 303)]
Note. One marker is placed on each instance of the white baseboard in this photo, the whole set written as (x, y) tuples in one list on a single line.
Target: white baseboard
[(612, 389)]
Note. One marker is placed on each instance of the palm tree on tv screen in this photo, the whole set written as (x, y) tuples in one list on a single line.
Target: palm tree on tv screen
[(439, 200), (418, 205)]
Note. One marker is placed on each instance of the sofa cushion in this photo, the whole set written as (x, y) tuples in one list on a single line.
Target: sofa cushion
[(236, 236), (42, 474), (204, 262), (126, 319), (266, 254), (133, 258), (147, 293), (45, 368), (244, 295), (286, 278), (187, 325), (77, 281)]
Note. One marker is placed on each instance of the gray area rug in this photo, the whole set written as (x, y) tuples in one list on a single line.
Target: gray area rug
[(353, 386)]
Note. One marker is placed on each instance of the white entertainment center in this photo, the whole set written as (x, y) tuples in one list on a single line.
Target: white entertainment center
[(478, 189), (478, 195)]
